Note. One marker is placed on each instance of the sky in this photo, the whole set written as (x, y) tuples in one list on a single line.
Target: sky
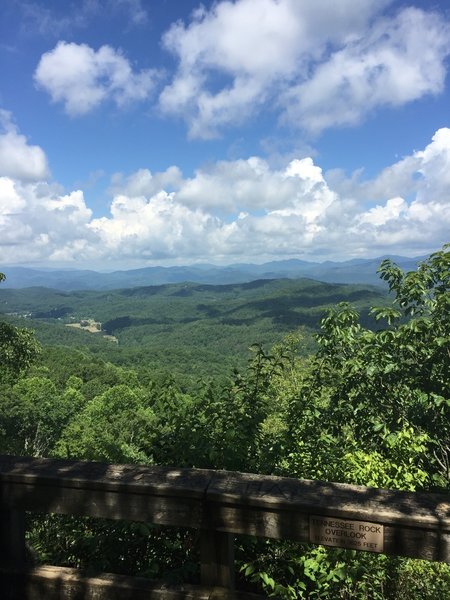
[(162, 132)]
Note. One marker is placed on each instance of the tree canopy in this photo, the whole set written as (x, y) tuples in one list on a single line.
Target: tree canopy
[(18, 348)]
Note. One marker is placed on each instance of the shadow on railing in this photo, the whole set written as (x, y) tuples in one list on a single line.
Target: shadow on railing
[(219, 504)]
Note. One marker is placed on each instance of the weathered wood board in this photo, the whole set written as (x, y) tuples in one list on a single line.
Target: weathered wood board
[(155, 494), (410, 524), (57, 583)]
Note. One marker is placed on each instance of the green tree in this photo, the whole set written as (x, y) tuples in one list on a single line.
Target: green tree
[(395, 380), (33, 414), (117, 426), (18, 348)]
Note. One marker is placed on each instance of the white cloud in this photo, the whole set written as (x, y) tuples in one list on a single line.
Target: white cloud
[(243, 210), (380, 215), (145, 183), (423, 174), (37, 221), (17, 157), (434, 168), (401, 60), (251, 185), (315, 63), (41, 224), (10, 200), (157, 228), (82, 78), (401, 178), (234, 211), (320, 63)]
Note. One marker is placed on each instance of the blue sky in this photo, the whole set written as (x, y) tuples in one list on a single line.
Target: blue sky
[(141, 132)]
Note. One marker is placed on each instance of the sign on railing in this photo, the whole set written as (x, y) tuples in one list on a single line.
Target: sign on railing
[(343, 533)]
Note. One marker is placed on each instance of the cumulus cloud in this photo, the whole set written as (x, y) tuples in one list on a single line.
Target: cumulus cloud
[(233, 211), (10, 200), (400, 60), (37, 220), (145, 183), (434, 168), (157, 228), (320, 63), (82, 78), (17, 157), (38, 223), (187, 223), (316, 63), (401, 178), (246, 209), (411, 222)]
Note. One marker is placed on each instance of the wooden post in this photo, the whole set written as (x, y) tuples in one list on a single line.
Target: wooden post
[(12, 537), (216, 559), (12, 553)]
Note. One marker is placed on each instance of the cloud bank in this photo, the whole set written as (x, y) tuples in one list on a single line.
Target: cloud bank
[(231, 211)]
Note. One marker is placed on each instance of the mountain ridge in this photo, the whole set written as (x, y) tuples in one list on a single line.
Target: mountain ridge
[(362, 271)]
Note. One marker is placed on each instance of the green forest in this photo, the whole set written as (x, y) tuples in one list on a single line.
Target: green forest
[(182, 328), (287, 377)]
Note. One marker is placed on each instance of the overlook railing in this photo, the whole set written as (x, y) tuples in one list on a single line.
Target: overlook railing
[(218, 503)]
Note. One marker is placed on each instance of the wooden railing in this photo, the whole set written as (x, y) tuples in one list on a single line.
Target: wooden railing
[(219, 504)]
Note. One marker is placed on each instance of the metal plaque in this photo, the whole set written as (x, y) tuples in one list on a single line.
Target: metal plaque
[(343, 533)]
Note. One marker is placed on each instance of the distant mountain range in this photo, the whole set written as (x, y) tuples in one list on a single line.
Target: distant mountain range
[(363, 271)]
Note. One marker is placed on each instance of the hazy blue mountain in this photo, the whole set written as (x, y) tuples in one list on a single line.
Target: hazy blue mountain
[(351, 271)]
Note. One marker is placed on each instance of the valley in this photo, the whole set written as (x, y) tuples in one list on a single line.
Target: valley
[(185, 327)]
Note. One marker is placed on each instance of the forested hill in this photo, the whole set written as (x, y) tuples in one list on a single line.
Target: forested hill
[(185, 326), (361, 271)]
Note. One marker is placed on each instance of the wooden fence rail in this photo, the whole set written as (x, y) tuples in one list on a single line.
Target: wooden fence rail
[(220, 504)]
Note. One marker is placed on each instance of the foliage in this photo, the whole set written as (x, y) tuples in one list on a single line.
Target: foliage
[(422, 579), (317, 572), (18, 348), (33, 414), (100, 545), (370, 407), (116, 426), (391, 386)]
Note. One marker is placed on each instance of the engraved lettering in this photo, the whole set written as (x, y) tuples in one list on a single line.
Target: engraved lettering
[(345, 533)]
